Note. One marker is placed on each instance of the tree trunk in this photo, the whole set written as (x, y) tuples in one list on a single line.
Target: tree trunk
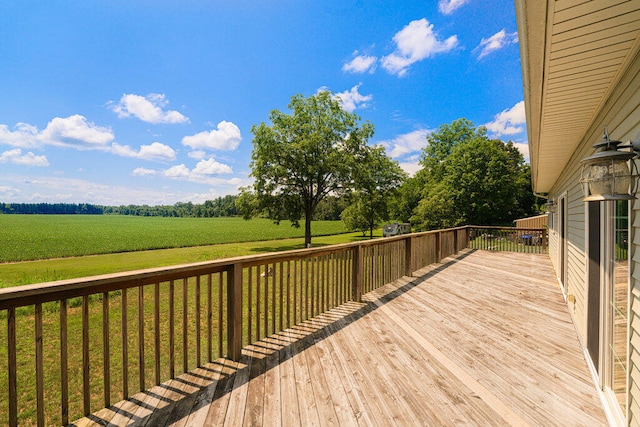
[(307, 230)]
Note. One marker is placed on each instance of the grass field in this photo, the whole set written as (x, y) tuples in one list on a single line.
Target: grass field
[(32, 237), (71, 232), (85, 232)]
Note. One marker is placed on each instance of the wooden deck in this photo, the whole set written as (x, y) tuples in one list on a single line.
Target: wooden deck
[(482, 339)]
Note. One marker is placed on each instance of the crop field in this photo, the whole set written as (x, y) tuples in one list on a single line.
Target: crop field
[(112, 238), (34, 237)]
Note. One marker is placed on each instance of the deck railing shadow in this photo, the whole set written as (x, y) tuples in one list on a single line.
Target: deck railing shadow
[(219, 378)]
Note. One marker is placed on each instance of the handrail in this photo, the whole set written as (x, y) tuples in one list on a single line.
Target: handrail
[(130, 331), (509, 239)]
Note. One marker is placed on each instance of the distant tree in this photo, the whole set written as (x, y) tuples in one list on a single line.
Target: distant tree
[(354, 217), (376, 179), (407, 197), (470, 179), (330, 208), (305, 156)]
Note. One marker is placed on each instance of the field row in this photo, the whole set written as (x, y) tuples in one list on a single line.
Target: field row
[(33, 237)]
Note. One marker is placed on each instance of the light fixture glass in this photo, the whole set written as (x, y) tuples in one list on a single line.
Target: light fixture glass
[(612, 177), (606, 174), (551, 206)]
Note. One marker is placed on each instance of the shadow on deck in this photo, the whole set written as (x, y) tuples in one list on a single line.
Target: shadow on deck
[(481, 339)]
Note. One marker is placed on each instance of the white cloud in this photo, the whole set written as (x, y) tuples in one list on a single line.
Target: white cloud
[(415, 42), (360, 64), (508, 122), (411, 168), (76, 131), (497, 41), (407, 143), (157, 151), (201, 173), (178, 171), (73, 131), (352, 99), (52, 189), (147, 108), (7, 193), (211, 167), (197, 154), (16, 157), (143, 172), (447, 7), (225, 137), (523, 147), (24, 135), (154, 151)]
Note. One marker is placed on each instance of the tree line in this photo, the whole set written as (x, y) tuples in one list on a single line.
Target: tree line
[(219, 207)]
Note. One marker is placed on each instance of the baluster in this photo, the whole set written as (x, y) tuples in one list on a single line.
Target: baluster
[(106, 353), (125, 344), (64, 364), (209, 319), (172, 338), (185, 330), (156, 325), (289, 293), (281, 273), (295, 292), (306, 289), (273, 299), (39, 366), (258, 303), (141, 336), (250, 303), (314, 286), (12, 368), (198, 320), (266, 300), (220, 314), (86, 379)]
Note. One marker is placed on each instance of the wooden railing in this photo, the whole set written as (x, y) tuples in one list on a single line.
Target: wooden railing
[(538, 221), (75, 346), (530, 240)]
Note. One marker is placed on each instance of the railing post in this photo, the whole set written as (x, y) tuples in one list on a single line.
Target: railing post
[(467, 241), (408, 256), (356, 281), (455, 242), (234, 311), (438, 246), (544, 241)]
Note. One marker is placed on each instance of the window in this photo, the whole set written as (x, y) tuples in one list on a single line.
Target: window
[(616, 304)]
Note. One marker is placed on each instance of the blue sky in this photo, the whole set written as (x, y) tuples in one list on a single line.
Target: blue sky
[(152, 102)]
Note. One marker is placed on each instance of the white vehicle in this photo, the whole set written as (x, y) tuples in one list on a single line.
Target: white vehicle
[(396, 229)]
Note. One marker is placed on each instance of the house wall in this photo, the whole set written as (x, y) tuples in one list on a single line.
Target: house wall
[(621, 113)]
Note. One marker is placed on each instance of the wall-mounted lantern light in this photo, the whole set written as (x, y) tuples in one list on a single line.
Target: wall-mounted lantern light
[(606, 174), (552, 206)]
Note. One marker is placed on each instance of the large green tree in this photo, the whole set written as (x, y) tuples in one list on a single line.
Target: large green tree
[(469, 178), (303, 157), (376, 178)]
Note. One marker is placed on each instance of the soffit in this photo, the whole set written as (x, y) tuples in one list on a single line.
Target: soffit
[(573, 52)]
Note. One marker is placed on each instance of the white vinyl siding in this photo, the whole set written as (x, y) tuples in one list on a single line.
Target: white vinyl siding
[(621, 113)]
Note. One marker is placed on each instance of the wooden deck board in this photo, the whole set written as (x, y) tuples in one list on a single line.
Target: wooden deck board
[(483, 339)]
